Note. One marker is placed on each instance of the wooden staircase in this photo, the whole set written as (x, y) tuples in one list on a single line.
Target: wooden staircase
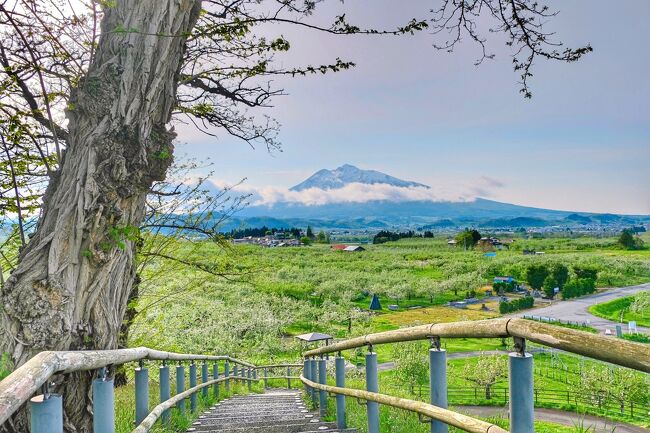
[(275, 411)]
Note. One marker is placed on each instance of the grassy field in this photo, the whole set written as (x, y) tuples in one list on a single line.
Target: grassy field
[(272, 294), (619, 310), (263, 297)]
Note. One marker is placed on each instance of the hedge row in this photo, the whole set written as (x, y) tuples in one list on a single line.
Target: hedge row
[(516, 305)]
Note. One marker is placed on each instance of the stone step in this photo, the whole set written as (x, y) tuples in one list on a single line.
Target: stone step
[(274, 411)]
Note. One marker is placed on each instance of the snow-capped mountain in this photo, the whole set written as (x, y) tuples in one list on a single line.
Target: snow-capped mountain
[(347, 174)]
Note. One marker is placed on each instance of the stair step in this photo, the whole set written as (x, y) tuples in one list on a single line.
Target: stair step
[(275, 411)]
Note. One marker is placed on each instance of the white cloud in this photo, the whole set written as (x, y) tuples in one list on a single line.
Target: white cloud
[(360, 193)]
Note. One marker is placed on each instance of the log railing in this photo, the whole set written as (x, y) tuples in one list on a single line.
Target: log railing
[(521, 391), (46, 409)]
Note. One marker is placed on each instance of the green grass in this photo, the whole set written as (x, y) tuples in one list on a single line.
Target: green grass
[(619, 309)]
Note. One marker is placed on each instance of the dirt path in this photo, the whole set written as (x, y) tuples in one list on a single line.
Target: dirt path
[(570, 419)]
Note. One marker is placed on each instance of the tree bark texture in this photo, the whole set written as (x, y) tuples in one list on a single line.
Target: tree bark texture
[(71, 286)]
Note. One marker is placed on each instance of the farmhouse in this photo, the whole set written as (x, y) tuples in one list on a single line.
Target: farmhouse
[(354, 248)]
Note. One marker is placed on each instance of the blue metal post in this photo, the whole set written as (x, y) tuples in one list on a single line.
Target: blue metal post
[(180, 387), (215, 375), (307, 374), (438, 385), (165, 391), (141, 394), (288, 377), (339, 363), (226, 374), (266, 377), (372, 385), (235, 373), (313, 370), (249, 374), (192, 385), (522, 394), (204, 378), (322, 379), (46, 414), (103, 405)]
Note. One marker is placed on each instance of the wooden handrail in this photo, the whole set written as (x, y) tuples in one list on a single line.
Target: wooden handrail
[(463, 422), (614, 350), (260, 367), (21, 384), (157, 411)]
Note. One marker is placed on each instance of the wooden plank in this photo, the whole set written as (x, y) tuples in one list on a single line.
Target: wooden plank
[(463, 422)]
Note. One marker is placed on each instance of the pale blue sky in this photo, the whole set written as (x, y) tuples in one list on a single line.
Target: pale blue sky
[(582, 142)]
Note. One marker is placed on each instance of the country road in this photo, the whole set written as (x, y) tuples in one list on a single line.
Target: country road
[(577, 309), (570, 419)]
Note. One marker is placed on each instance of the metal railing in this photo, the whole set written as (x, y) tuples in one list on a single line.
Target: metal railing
[(46, 409), (520, 394)]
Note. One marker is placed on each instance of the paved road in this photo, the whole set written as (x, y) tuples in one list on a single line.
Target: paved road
[(570, 419), (577, 309)]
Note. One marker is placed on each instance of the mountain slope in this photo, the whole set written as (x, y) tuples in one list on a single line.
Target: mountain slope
[(347, 174)]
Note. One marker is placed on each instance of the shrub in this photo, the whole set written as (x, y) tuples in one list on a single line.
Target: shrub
[(578, 287), (516, 304)]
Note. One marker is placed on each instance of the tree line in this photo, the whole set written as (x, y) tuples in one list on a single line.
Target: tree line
[(388, 236)]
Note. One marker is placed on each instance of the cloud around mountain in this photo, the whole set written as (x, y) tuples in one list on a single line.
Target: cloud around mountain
[(358, 192)]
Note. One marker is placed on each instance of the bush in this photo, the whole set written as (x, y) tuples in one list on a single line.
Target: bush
[(516, 305), (578, 287), (500, 286)]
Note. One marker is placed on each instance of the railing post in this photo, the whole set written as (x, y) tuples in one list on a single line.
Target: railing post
[(307, 374), (313, 370), (165, 390), (372, 385), (266, 377), (322, 379), (438, 383), (235, 373), (249, 374), (226, 374), (180, 387), (204, 378), (103, 404), (46, 414), (215, 375), (288, 377), (522, 394), (192, 385), (141, 393), (339, 363)]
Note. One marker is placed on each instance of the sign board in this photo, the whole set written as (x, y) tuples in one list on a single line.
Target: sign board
[(631, 326)]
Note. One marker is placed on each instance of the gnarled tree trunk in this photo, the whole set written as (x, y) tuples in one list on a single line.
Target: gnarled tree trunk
[(71, 286)]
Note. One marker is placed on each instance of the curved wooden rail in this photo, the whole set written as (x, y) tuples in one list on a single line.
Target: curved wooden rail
[(21, 384), (463, 422), (614, 350), (157, 411), (260, 367)]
